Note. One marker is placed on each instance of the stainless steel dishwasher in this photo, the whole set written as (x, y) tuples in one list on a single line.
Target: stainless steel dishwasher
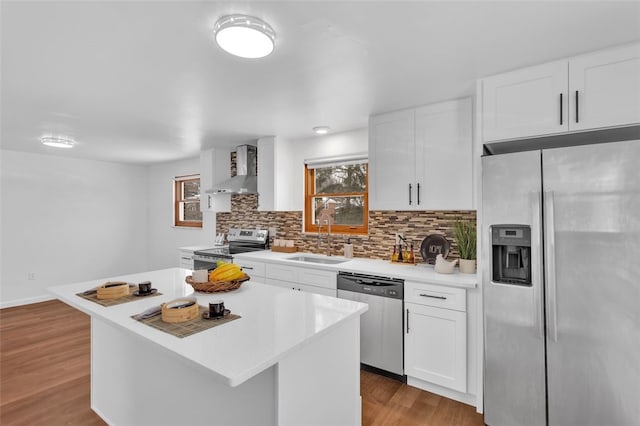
[(381, 327)]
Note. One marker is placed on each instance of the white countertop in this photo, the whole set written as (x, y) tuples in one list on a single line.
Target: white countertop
[(421, 272), (275, 321)]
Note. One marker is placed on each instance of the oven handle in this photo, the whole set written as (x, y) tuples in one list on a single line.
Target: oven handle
[(204, 258), (212, 259)]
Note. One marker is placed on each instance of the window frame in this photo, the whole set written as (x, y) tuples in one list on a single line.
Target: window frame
[(178, 194), (310, 194)]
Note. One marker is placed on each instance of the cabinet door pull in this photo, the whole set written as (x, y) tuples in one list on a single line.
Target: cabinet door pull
[(407, 320), (576, 106), (433, 297), (418, 189), (561, 121), (409, 194), (246, 267)]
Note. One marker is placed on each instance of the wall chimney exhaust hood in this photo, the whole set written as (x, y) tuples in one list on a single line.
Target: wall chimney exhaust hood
[(245, 181)]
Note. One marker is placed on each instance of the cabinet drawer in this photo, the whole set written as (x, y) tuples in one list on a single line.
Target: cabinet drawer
[(284, 273), (279, 283), (251, 268), (435, 295), (302, 287), (186, 260), (318, 278), (318, 290), (186, 264)]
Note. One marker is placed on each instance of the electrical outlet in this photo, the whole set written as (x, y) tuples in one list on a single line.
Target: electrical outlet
[(273, 231), (31, 276)]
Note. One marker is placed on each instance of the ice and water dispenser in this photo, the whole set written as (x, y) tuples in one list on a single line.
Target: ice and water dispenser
[(511, 246)]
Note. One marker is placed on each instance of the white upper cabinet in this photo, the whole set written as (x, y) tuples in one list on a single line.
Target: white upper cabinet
[(444, 162), (527, 102), (586, 92), (392, 161), (604, 88), (215, 166), (266, 174), (279, 177), (421, 159)]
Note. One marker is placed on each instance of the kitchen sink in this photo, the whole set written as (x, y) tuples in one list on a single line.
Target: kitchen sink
[(314, 259)]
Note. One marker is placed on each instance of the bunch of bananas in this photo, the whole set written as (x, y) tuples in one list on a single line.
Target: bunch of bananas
[(226, 272)]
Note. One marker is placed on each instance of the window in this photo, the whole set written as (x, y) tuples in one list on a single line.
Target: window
[(186, 201), (336, 192)]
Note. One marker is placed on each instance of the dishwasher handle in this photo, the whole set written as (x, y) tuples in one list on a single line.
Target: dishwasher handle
[(372, 283)]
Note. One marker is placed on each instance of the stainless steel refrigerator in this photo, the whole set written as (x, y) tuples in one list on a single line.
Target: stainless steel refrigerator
[(561, 286)]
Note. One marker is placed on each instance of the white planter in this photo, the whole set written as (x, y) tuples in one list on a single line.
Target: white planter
[(468, 266)]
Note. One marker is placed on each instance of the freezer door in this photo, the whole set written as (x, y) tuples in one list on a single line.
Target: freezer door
[(592, 244), (514, 388)]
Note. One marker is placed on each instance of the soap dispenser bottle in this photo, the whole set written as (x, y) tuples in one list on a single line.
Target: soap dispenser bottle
[(348, 249)]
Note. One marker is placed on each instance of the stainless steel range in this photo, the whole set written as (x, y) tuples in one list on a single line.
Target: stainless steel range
[(240, 241)]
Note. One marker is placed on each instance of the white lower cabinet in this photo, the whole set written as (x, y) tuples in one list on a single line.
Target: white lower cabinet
[(301, 287), (302, 279), (435, 339), (186, 259), (252, 268)]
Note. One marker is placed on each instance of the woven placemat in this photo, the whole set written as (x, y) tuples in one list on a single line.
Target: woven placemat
[(187, 328), (93, 297)]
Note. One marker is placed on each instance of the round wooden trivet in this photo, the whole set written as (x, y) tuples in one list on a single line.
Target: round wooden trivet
[(181, 314), (112, 290)]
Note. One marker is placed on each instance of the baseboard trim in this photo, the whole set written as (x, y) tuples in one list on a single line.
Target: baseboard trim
[(27, 301), (465, 398)]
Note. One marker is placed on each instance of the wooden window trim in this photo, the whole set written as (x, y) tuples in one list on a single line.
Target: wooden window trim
[(177, 199), (309, 194)]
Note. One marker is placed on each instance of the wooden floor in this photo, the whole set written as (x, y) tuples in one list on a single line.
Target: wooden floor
[(388, 402), (45, 377)]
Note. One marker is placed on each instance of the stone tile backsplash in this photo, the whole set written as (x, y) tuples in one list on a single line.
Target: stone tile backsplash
[(383, 225)]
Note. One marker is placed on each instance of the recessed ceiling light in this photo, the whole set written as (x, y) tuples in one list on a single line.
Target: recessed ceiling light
[(57, 141), (321, 130), (244, 36)]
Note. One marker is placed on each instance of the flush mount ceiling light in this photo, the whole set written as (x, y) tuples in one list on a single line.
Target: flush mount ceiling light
[(57, 141), (244, 36), (321, 130)]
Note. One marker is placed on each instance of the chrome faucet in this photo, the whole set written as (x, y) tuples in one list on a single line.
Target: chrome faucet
[(326, 216), (328, 219)]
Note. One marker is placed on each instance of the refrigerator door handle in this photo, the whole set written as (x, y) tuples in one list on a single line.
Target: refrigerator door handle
[(550, 257), (536, 250)]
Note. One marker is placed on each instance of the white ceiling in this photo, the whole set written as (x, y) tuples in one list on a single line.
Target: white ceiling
[(144, 82)]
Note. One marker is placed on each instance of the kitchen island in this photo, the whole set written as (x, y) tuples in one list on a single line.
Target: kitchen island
[(292, 358)]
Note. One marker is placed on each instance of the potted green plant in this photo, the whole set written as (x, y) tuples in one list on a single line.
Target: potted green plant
[(464, 232)]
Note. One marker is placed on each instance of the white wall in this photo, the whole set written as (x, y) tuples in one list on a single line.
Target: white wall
[(292, 153), (68, 220), (164, 239)]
